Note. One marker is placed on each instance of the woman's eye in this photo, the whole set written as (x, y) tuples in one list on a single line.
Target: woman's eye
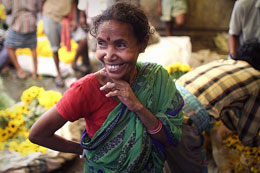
[(101, 43), (121, 45)]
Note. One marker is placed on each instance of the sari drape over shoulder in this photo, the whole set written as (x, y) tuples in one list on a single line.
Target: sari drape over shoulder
[(122, 144)]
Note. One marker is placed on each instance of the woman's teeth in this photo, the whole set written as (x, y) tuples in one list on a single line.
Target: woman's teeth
[(113, 67)]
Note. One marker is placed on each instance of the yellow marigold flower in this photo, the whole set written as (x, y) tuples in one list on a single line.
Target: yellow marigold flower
[(31, 93), (2, 145), (168, 68), (49, 98), (185, 67), (24, 109), (13, 145), (15, 114), (7, 113), (240, 148), (41, 149), (12, 127), (176, 66), (4, 136), (27, 147), (23, 132)]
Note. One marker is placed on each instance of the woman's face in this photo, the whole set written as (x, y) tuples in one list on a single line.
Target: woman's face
[(117, 49)]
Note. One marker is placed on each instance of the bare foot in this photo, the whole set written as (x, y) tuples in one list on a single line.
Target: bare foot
[(21, 74), (5, 69), (34, 76)]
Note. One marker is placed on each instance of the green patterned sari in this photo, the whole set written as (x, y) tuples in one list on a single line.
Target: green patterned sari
[(122, 144)]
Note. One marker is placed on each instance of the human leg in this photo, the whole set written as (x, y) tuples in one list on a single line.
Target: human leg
[(35, 63), (177, 21), (52, 29), (82, 51), (4, 60), (180, 20), (178, 12), (168, 28), (80, 36), (19, 71), (59, 81)]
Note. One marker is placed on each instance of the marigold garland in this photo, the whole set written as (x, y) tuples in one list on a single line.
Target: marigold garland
[(16, 121)]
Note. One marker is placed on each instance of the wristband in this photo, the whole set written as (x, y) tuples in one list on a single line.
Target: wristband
[(152, 132)]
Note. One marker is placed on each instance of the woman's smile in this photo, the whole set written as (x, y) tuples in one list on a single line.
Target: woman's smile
[(114, 67)]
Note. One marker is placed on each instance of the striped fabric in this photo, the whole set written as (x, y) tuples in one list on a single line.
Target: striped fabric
[(24, 14), (230, 91), (16, 40)]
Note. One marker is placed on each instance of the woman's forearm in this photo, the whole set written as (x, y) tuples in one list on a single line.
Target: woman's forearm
[(43, 133), (151, 122), (58, 143)]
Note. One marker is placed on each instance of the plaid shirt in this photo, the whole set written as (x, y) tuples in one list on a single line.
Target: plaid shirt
[(230, 91), (23, 14)]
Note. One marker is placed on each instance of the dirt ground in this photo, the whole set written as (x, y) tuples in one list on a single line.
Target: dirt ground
[(203, 50)]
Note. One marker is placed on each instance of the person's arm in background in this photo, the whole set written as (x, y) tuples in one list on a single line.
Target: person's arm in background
[(159, 7), (8, 6), (73, 23), (233, 44), (83, 20), (82, 7), (43, 133), (235, 28), (41, 3)]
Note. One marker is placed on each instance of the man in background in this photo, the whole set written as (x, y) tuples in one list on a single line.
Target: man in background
[(244, 24), (226, 90)]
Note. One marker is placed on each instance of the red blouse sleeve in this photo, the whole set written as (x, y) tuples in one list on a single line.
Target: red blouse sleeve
[(76, 101)]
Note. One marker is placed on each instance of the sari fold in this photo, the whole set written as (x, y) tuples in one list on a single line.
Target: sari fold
[(122, 144)]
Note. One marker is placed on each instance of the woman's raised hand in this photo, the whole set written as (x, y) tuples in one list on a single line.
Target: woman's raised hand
[(123, 92)]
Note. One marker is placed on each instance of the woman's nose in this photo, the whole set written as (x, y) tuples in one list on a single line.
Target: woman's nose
[(110, 54)]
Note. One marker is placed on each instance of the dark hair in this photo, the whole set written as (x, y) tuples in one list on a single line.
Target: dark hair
[(250, 52), (126, 13)]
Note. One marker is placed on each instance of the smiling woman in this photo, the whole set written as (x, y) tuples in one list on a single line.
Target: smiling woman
[(132, 110), (119, 53)]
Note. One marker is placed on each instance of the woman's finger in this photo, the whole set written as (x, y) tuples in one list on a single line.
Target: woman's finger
[(108, 86)]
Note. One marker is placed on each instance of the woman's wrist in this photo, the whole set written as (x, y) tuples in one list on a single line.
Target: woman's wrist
[(138, 108), (156, 130)]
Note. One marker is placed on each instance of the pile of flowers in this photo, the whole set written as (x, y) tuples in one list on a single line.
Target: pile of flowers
[(16, 121), (249, 156), (178, 69)]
